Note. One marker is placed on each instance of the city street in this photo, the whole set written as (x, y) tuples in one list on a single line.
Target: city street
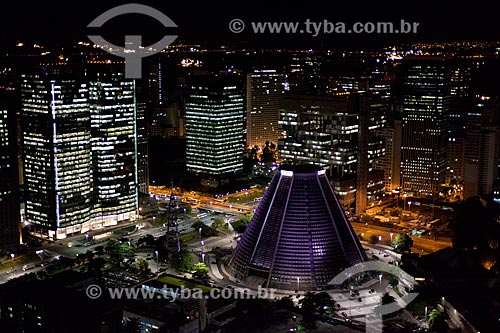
[(422, 245)]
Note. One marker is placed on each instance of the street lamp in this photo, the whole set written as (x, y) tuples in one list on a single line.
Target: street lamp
[(391, 235), (425, 317), (409, 206), (298, 283), (157, 261), (203, 257), (12, 255), (404, 201), (380, 279)]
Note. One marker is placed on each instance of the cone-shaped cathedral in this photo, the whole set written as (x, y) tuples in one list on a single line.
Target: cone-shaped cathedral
[(299, 236)]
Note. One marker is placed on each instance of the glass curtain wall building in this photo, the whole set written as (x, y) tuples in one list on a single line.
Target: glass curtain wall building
[(114, 150), (265, 88), (425, 107), (214, 125), (79, 153)]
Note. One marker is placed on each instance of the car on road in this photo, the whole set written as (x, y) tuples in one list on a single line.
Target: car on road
[(360, 300), (344, 314), (371, 291), (28, 266), (385, 255)]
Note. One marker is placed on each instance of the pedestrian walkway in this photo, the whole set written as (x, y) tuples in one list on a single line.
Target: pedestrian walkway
[(225, 272), (215, 269)]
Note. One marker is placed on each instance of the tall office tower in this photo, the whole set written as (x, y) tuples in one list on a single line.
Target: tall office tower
[(57, 155), (264, 90), (154, 82), (323, 131), (482, 147), (390, 163), (9, 178), (461, 104), (379, 110), (362, 165), (299, 237), (380, 77), (142, 148), (79, 153), (456, 158), (320, 130), (214, 125), (304, 74), (425, 106), (460, 80), (114, 150)]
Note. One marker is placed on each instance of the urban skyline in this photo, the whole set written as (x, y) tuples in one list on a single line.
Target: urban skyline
[(243, 161)]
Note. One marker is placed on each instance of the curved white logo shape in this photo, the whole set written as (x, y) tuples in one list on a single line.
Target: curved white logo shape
[(132, 51)]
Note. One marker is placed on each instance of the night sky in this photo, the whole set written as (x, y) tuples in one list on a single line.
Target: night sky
[(58, 22)]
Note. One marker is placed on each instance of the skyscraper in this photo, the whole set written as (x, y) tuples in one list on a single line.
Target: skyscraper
[(264, 90), (142, 148), (390, 163), (114, 150), (9, 179), (482, 147), (214, 125), (324, 131), (425, 107), (79, 148), (299, 237)]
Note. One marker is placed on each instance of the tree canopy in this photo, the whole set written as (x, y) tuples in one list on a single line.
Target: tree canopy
[(403, 243)]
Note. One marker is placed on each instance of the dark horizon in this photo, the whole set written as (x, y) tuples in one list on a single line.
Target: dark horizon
[(54, 23)]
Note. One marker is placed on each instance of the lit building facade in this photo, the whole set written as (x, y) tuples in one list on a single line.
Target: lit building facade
[(114, 151), (214, 125), (456, 159), (304, 73), (324, 131), (390, 163), (79, 151), (265, 88), (142, 148), (425, 107), (482, 148)]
